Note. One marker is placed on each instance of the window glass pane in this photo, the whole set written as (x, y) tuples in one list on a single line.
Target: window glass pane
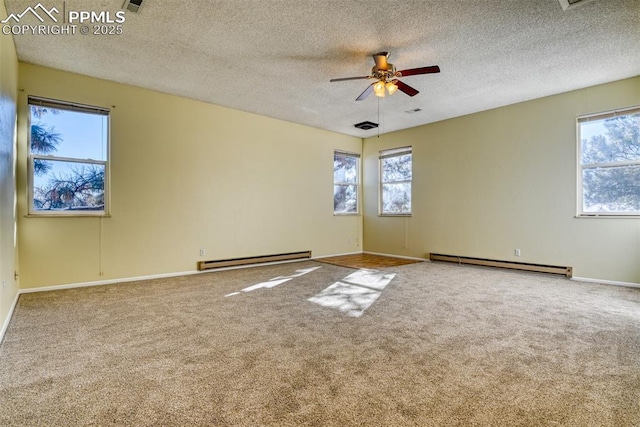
[(396, 168), (609, 140), (396, 198), (615, 189), (345, 169), (59, 185), (345, 180), (345, 198), (65, 133)]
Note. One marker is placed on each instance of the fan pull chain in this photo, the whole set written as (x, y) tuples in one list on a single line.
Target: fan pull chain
[(379, 123)]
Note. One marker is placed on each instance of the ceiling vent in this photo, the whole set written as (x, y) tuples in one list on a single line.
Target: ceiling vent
[(366, 125), (132, 5), (415, 110), (571, 4)]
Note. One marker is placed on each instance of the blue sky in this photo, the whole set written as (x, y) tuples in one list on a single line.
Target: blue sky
[(84, 136), (589, 129)]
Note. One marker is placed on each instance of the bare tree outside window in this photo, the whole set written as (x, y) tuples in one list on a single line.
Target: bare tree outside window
[(68, 158), (346, 170), (610, 163), (395, 181)]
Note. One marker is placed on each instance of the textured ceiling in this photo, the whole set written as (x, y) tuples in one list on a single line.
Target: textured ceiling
[(275, 57)]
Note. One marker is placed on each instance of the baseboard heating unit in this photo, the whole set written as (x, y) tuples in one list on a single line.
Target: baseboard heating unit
[(236, 262), (539, 268)]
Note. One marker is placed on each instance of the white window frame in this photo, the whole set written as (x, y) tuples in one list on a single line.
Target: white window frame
[(349, 184), (69, 106), (385, 154), (581, 167)]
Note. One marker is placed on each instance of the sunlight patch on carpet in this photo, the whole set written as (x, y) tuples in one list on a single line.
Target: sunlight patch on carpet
[(355, 293), (369, 278), (275, 281)]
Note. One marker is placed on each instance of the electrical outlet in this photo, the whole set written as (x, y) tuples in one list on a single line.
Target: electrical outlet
[(202, 252), (517, 252)]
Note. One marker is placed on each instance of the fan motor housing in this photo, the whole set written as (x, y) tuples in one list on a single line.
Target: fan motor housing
[(385, 75)]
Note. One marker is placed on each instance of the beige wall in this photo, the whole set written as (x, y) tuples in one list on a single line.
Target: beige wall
[(8, 93), (188, 175), (185, 175), (490, 182)]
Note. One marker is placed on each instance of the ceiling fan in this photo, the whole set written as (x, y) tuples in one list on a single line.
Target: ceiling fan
[(387, 77)]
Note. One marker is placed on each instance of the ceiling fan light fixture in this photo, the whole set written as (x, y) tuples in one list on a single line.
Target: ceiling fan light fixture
[(386, 76), (391, 88), (378, 89)]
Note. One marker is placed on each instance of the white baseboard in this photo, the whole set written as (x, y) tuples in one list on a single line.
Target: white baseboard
[(165, 275), (150, 277), (7, 320), (397, 256), (606, 282), (106, 282)]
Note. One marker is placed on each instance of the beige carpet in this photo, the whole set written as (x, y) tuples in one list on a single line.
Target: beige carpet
[(443, 345)]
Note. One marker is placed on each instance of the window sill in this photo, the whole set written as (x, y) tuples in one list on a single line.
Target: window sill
[(346, 214), (400, 215), (607, 216), (68, 215)]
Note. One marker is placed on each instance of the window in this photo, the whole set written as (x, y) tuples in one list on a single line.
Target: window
[(395, 181), (346, 169), (609, 163), (68, 158)]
